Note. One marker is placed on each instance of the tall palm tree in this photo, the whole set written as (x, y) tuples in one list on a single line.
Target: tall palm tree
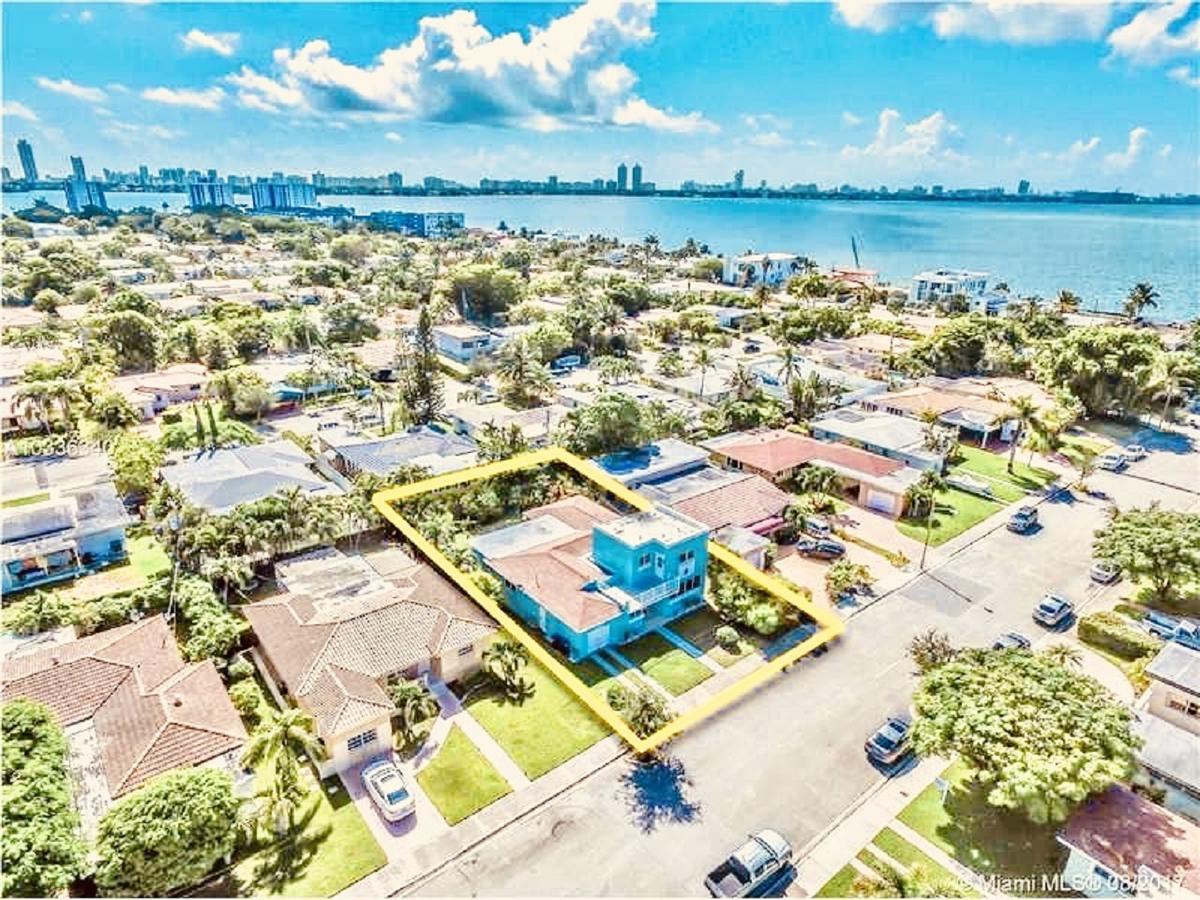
[(414, 705), (278, 803), (1173, 371), (504, 660), (703, 360), (1023, 411), (743, 383), (283, 737), (790, 365), (1140, 297), (922, 495)]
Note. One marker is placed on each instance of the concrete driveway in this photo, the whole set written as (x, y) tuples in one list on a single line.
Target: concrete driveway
[(790, 755), (398, 838)]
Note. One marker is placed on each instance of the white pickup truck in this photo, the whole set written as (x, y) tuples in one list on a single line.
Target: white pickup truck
[(750, 866)]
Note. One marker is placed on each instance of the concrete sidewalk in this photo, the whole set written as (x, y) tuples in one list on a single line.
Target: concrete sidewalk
[(825, 855)]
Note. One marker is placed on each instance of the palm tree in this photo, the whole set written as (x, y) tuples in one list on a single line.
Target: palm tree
[(230, 571), (817, 480), (1141, 296), (761, 295), (923, 495), (414, 705), (1065, 655), (743, 383), (1086, 464), (702, 359), (1068, 301), (1023, 411), (283, 737), (36, 395), (277, 804), (791, 364), (1173, 372), (504, 661)]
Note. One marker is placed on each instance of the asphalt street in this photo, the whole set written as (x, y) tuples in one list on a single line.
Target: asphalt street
[(790, 756)]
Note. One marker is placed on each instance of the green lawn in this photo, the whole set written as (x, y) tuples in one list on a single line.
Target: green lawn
[(24, 501), (543, 731), (698, 627), (331, 850), (1075, 446), (956, 512), (666, 663), (459, 779), (993, 468), (839, 885), (989, 840), (147, 556)]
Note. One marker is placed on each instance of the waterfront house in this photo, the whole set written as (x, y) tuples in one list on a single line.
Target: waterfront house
[(131, 708), (875, 482), (62, 537), (1122, 845), (345, 625), (588, 578), (463, 342), (935, 286), (772, 269), (1169, 726)]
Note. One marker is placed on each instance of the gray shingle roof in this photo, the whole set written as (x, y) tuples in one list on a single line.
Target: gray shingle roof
[(1177, 665)]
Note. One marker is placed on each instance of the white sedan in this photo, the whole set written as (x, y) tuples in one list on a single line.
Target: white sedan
[(387, 789)]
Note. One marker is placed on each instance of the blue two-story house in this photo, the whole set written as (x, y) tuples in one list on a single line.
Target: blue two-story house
[(587, 578), (57, 540)]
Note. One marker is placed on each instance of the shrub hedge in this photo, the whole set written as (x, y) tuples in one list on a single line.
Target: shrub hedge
[(1113, 632)]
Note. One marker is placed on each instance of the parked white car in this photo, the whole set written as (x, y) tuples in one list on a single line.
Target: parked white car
[(1134, 452), (1112, 461), (387, 789)]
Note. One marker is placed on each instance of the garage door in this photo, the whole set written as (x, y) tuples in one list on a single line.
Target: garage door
[(882, 502)]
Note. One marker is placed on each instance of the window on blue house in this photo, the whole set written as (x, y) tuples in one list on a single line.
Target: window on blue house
[(643, 560), (659, 562)]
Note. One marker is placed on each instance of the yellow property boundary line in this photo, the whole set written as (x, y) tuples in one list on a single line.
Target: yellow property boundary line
[(831, 625)]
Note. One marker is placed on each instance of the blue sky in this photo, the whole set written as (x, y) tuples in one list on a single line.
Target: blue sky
[(1090, 94)]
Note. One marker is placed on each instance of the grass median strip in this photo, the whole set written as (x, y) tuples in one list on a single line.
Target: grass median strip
[(459, 780)]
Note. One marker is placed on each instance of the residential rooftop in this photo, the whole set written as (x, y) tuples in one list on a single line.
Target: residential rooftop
[(1178, 666)]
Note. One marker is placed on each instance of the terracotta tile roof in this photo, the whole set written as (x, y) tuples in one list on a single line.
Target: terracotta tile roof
[(334, 666), (744, 502), (555, 578), (778, 451), (151, 711), (577, 510), (1125, 832)]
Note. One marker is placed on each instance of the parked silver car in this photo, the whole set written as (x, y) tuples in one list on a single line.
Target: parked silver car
[(387, 789)]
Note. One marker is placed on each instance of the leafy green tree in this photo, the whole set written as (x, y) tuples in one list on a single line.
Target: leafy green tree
[(349, 322), (42, 852), (915, 881), (612, 422), (497, 442), (1172, 374), (482, 290), (135, 339), (167, 835), (1158, 545), (524, 380), (644, 710), (1105, 367), (282, 738), (845, 575), (1039, 737), (970, 345), (930, 649), (1141, 296), (135, 461)]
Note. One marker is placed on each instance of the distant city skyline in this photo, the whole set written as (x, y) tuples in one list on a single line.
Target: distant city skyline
[(1098, 95)]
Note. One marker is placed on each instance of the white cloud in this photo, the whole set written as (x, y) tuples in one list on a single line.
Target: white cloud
[(1014, 21), (1022, 21), (566, 73), (768, 139), (1185, 76), (1157, 33), (395, 137), (70, 89), (133, 135), (1124, 160), (927, 140), (223, 43), (850, 120), (18, 111), (1164, 151), (209, 98), (766, 129), (1078, 150)]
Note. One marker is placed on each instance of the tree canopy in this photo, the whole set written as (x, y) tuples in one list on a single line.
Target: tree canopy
[(1040, 737), (1104, 366), (166, 835), (1161, 546)]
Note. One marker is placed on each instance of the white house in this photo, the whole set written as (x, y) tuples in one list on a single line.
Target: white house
[(1169, 726), (772, 269), (936, 285), (462, 342)]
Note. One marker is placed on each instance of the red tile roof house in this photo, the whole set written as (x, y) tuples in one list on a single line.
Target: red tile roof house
[(1121, 845), (346, 624), (131, 707), (779, 455)]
